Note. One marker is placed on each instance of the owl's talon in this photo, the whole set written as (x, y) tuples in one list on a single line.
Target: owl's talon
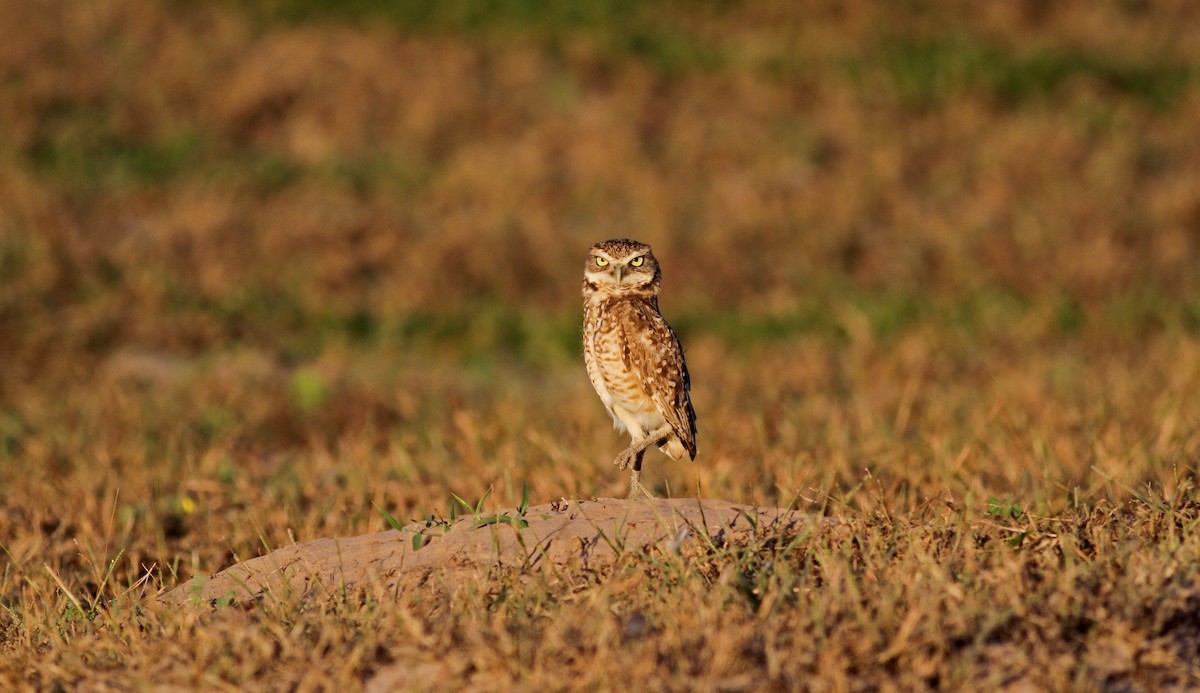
[(625, 458)]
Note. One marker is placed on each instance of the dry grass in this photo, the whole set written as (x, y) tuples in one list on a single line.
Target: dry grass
[(935, 269)]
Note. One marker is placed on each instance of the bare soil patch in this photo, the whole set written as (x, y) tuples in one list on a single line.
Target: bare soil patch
[(568, 535)]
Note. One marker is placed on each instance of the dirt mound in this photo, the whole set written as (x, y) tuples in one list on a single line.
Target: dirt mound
[(572, 534)]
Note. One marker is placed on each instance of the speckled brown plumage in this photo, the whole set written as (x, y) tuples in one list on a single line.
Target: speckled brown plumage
[(634, 359)]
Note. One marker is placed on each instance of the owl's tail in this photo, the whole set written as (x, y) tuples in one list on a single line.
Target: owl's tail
[(672, 447)]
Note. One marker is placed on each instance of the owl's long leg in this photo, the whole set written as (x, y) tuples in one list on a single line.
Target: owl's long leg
[(636, 490), (632, 456)]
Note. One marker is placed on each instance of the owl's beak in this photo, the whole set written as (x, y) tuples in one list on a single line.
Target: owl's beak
[(620, 271)]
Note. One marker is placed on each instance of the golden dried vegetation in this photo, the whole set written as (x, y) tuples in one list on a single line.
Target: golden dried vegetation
[(936, 266)]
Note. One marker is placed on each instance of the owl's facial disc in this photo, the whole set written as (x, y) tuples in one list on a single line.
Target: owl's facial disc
[(630, 268)]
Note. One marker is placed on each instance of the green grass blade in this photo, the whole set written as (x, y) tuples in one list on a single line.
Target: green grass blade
[(391, 520)]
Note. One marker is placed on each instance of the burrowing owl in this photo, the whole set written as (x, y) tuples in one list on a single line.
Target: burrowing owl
[(633, 357)]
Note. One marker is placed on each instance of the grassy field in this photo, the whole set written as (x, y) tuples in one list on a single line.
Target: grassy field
[(936, 267)]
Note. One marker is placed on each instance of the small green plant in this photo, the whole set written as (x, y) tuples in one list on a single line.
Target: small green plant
[(473, 509), (1004, 509), (419, 539), (432, 521), (308, 390), (517, 520)]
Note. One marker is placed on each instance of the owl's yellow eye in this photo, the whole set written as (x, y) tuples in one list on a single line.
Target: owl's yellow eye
[(638, 261), (601, 262)]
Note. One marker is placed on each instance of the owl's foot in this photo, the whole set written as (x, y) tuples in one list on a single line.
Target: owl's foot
[(632, 455), (629, 457), (636, 490)]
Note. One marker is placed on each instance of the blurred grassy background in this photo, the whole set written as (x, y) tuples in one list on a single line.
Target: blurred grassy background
[(261, 263), (189, 176)]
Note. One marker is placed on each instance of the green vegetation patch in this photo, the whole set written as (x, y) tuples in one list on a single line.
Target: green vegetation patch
[(926, 71), (651, 32), (89, 154), (457, 14)]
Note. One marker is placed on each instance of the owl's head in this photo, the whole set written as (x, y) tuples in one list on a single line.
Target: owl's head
[(622, 266)]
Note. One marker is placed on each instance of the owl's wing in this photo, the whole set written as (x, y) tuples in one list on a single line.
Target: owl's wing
[(653, 352)]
